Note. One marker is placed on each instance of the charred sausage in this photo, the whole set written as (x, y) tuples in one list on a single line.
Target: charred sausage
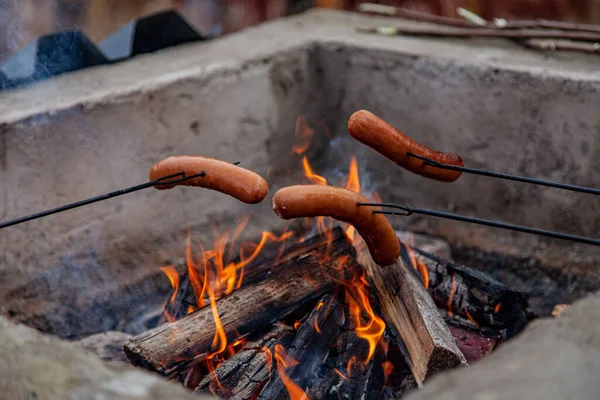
[(374, 132), (314, 200), (221, 176)]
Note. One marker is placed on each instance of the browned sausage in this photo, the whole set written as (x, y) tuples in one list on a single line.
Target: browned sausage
[(374, 132), (315, 200), (221, 176)]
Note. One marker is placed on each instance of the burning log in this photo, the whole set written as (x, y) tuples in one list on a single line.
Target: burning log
[(308, 351), (472, 295), (413, 317), (244, 375), (171, 347)]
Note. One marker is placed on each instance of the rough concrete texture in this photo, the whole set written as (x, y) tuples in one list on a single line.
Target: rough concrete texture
[(551, 359), (36, 366), (237, 98)]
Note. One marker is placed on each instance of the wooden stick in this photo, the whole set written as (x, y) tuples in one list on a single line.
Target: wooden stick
[(171, 347), (473, 295), (566, 45), (413, 317), (467, 32)]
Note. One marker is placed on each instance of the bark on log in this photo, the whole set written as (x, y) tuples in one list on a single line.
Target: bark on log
[(309, 349), (244, 375), (171, 347), (474, 295), (412, 315)]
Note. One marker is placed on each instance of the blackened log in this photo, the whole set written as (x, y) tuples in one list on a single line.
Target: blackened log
[(412, 315), (474, 295), (309, 349), (171, 347), (244, 375)]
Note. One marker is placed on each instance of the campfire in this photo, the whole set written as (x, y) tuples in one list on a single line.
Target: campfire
[(308, 313)]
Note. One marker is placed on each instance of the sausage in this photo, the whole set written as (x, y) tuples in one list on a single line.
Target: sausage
[(244, 185), (374, 132), (315, 200)]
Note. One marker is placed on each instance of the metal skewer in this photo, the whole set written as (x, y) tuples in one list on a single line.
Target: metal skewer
[(502, 225), (165, 180), (509, 177)]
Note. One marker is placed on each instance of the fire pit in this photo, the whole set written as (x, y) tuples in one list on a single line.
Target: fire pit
[(280, 106)]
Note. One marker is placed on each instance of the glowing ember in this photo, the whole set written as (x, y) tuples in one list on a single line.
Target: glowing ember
[(387, 367), (304, 136), (418, 265), (497, 308), (337, 371), (283, 362), (470, 318)]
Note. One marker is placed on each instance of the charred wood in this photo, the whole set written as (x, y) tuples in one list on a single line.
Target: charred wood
[(172, 347), (310, 348), (474, 295), (244, 375), (413, 317)]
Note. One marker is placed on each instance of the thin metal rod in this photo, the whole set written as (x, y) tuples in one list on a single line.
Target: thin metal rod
[(509, 177), (165, 180), (519, 228)]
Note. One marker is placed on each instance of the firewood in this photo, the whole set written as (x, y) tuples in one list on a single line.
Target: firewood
[(170, 347), (244, 375), (473, 295), (310, 348), (412, 315)]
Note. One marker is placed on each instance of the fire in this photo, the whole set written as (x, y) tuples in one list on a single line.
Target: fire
[(369, 326), (497, 307), (418, 265), (283, 362), (308, 172), (451, 297), (352, 183), (387, 367), (304, 135), (173, 276)]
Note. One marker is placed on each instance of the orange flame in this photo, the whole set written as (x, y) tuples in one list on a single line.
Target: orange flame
[(388, 367), (470, 318), (368, 325), (352, 183), (304, 135), (418, 265), (497, 308), (173, 276), (451, 297), (308, 173), (337, 371), (283, 362)]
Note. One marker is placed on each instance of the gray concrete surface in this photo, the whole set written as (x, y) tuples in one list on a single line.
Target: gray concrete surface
[(237, 98), (36, 366), (552, 359)]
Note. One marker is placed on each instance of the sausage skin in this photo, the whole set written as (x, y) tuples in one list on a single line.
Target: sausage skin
[(374, 132), (224, 177), (315, 200)]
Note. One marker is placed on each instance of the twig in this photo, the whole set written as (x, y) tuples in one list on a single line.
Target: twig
[(498, 23), (467, 32), (568, 45)]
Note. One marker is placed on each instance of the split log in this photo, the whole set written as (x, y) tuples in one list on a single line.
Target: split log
[(309, 349), (473, 295), (171, 347), (412, 315)]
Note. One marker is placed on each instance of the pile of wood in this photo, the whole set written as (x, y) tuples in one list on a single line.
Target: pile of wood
[(298, 333)]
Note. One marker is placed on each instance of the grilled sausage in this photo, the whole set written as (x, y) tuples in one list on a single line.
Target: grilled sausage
[(221, 176), (315, 200), (374, 132)]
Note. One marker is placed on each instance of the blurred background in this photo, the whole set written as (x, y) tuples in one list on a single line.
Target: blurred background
[(21, 21)]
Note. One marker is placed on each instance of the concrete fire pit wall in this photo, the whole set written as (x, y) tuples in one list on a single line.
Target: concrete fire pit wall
[(237, 99)]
